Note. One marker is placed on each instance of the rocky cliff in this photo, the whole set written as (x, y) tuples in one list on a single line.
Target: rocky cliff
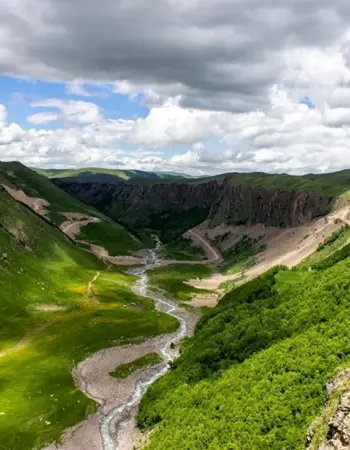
[(175, 207), (240, 205)]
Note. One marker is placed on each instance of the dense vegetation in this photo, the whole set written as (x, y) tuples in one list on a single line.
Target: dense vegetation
[(253, 376), (124, 370), (182, 249), (173, 223), (44, 306)]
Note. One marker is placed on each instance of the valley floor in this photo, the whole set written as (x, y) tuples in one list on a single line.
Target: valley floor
[(68, 320)]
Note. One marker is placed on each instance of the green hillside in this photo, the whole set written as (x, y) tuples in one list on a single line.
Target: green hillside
[(17, 176), (334, 183), (254, 375), (100, 174), (48, 323)]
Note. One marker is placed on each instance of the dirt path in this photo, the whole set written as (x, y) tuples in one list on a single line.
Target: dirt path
[(287, 247), (25, 340), (102, 253), (90, 296), (211, 253), (75, 222)]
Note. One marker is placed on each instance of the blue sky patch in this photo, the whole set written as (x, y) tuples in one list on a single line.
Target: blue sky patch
[(308, 102)]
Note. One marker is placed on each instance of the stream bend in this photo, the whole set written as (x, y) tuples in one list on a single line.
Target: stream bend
[(115, 416)]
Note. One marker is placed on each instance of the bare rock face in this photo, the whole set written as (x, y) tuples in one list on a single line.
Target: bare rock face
[(338, 436), (242, 205), (333, 445), (338, 433)]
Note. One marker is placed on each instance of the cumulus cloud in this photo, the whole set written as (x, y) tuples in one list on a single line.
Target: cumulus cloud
[(221, 54), (287, 137), (225, 82)]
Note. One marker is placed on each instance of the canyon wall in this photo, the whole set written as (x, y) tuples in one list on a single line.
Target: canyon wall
[(178, 206)]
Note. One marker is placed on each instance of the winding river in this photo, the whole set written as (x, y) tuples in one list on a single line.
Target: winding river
[(109, 422)]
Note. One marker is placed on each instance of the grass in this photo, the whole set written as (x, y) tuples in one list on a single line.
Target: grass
[(106, 233), (172, 279), (183, 249), (331, 185), (124, 370), (112, 235), (40, 266)]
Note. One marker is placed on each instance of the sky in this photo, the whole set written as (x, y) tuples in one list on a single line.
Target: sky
[(189, 86)]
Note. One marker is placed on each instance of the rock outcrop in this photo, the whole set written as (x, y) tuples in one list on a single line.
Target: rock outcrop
[(338, 432), (338, 436)]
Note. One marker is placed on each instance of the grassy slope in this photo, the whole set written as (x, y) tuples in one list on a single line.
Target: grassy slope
[(124, 370), (171, 279), (18, 176), (254, 375), (40, 266), (328, 247), (315, 183)]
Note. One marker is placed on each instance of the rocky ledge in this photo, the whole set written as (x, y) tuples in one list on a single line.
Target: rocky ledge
[(338, 432)]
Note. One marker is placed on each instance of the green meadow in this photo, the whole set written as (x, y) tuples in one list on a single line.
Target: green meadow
[(124, 370), (44, 306), (172, 279)]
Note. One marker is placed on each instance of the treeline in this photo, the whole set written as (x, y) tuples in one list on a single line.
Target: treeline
[(253, 376)]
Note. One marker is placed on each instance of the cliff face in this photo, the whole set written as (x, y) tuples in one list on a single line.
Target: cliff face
[(251, 205), (179, 206), (140, 205)]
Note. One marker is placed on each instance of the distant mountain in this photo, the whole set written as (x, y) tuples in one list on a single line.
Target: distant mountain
[(112, 176), (172, 206)]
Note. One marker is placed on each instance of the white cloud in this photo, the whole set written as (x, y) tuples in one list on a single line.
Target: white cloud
[(283, 135), (42, 117), (77, 88), (78, 112)]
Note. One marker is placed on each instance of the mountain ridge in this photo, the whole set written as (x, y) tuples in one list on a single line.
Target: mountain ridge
[(173, 207)]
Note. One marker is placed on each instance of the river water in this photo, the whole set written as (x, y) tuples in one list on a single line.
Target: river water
[(115, 416)]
